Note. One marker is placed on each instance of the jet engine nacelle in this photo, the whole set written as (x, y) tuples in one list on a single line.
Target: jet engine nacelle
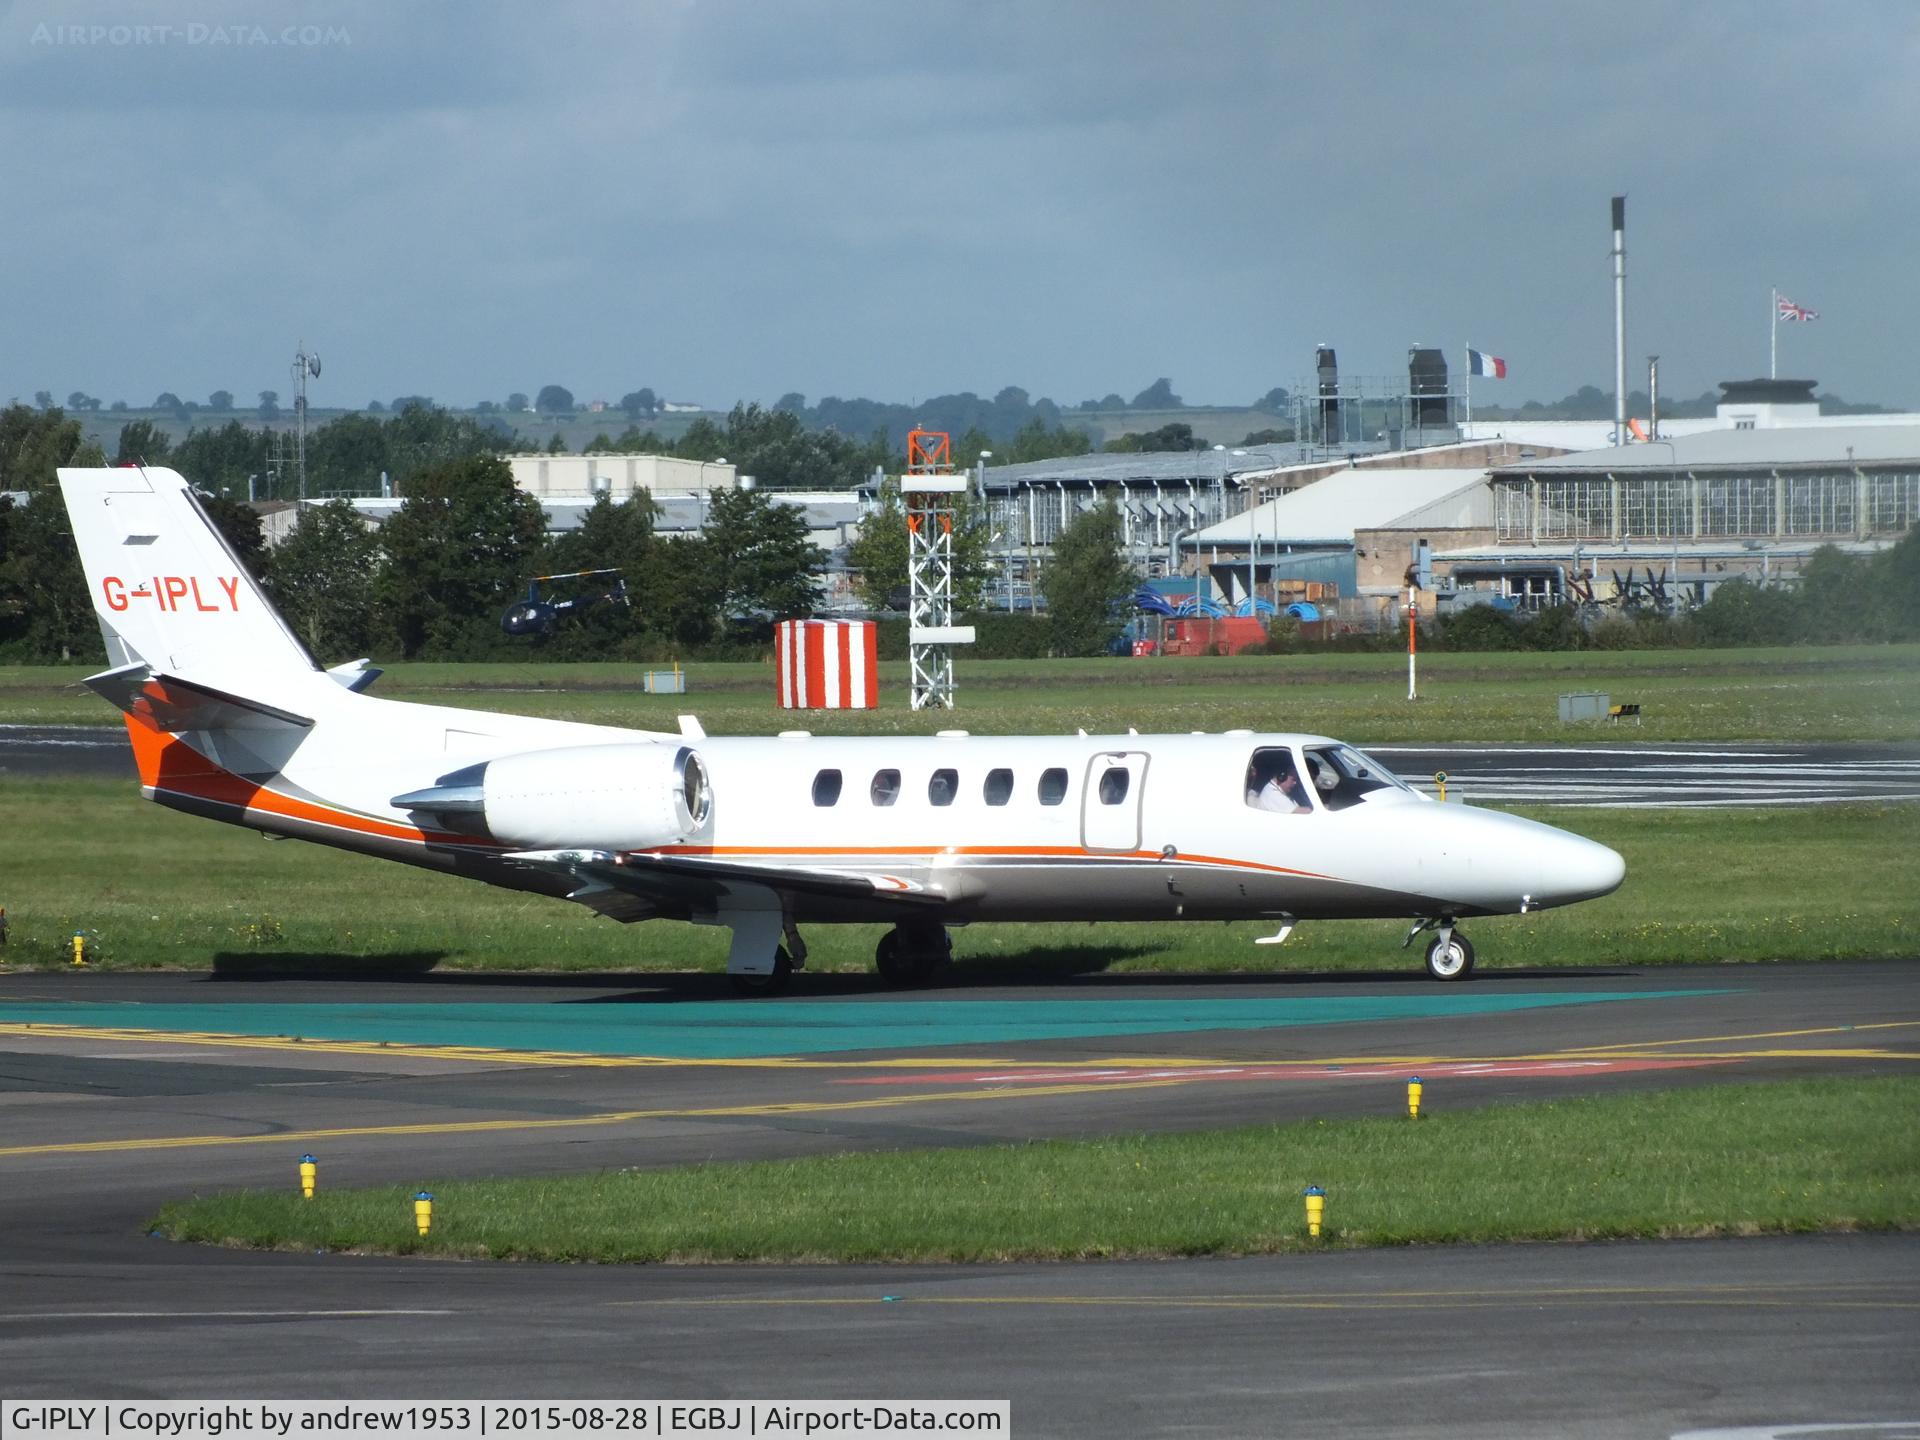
[(592, 797)]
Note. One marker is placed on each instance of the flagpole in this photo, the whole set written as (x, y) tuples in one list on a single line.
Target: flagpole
[(1773, 348), (1469, 390)]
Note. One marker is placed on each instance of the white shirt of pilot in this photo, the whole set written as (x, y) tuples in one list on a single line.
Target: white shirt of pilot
[(1272, 797)]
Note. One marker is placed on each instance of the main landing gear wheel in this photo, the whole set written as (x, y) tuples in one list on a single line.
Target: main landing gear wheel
[(913, 955), (772, 983), (1449, 956)]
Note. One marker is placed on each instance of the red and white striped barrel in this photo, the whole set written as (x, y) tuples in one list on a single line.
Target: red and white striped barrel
[(826, 664)]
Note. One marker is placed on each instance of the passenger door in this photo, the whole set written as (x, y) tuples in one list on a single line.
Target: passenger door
[(1110, 802)]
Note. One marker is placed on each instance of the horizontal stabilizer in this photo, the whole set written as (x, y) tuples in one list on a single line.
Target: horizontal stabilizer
[(356, 675), (171, 704)]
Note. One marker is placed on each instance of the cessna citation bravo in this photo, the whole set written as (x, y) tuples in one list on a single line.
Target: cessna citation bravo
[(232, 719)]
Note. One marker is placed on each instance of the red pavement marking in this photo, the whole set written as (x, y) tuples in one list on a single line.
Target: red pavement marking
[(1461, 1069)]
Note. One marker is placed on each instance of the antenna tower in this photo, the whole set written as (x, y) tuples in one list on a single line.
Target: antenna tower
[(927, 490)]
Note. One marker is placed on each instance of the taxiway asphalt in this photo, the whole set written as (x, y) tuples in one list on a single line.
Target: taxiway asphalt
[(120, 1091)]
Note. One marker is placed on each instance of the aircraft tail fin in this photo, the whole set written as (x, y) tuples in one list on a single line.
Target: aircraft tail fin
[(167, 588)]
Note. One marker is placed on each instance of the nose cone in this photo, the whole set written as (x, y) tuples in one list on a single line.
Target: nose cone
[(1520, 863), (1586, 870)]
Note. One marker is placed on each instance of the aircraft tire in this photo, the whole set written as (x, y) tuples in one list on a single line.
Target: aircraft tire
[(1450, 957), (906, 959), (772, 983), (886, 959)]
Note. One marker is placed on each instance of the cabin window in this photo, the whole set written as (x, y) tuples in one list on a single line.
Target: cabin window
[(1344, 776), (886, 787), (1113, 785), (942, 786), (999, 787), (1053, 786), (826, 788), (1274, 783)]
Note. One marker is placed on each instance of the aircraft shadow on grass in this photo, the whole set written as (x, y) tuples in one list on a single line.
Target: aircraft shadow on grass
[(1083, 966), (324, 965)]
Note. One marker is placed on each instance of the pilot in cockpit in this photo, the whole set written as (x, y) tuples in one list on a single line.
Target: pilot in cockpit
[(1274, 784)]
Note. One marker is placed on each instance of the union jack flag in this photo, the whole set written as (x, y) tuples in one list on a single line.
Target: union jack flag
[(1791, 311)]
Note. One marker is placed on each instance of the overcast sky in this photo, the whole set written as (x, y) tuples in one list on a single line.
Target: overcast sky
[(733, 200)]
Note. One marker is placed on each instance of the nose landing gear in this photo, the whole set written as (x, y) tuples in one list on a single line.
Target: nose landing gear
[(1449, 953), (751, 935)]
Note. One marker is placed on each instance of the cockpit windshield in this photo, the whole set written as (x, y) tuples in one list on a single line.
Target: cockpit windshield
[(1343, 776)]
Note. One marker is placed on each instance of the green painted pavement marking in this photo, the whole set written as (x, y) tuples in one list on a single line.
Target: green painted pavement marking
[(733, 1030)]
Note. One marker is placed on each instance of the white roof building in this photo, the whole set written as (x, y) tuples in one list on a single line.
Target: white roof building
[(618, 475), (1329, 512)]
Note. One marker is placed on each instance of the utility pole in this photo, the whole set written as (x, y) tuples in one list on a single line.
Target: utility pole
[(304, 365)]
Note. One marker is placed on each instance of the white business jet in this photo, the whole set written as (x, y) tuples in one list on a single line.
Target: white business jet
[(233, 720)]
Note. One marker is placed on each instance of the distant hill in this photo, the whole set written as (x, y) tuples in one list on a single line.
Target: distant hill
[(536, 432), (1590, 402), (1215, 425), (998, 418)]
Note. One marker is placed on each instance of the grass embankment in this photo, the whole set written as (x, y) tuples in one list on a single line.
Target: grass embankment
[(1736, 1159), (1860, 692), (153, 888)]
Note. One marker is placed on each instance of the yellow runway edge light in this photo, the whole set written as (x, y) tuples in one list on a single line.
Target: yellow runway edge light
[(309, 1176), (423, 1213), (1414, 1090), (1316, 1209)]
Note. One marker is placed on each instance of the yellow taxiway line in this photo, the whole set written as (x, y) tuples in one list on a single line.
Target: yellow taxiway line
[(1675, 1049), (572, 1122), (484, 1055), (1756, 1035)]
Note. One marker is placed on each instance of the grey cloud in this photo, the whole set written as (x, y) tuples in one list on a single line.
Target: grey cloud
[(738, 199)]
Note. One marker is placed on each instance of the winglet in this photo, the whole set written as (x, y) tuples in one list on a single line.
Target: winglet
[(691, 728)]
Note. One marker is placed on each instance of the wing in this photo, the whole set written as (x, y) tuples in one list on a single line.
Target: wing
[(641, 885)]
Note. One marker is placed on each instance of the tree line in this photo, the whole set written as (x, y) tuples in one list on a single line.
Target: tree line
[(1590, 402), (434, 580)]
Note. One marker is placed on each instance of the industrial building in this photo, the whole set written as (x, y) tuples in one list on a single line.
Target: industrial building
[(1340, 540), (1693, 511), (618, 476), (1701, 508), (1169, 500)]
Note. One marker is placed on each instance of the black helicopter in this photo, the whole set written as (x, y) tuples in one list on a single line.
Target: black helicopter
[(539, 612)]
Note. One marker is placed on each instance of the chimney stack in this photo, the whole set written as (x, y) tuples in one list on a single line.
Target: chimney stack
[(1621, 435)]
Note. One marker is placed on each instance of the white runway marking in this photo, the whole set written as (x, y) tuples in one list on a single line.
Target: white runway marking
[(1668, 777)]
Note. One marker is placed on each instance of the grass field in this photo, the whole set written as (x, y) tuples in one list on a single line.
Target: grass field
[(156, 888), (1736, 1159), (1802, 693)]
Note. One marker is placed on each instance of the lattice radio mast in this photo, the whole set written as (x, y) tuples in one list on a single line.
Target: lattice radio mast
[(927, 491), (304, 365)]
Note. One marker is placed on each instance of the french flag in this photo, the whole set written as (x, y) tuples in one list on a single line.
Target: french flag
[(1479, 364)]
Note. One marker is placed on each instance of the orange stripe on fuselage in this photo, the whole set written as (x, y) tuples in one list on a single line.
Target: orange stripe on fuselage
[(933, 853), (170, 766)]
